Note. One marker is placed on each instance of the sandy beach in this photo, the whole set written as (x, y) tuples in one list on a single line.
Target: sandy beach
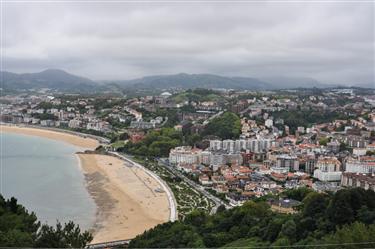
[(127, 203), (87, 143), (126, 198)]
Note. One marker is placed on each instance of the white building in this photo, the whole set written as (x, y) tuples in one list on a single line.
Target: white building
[(102, 126), (328, 169), (256, 145), (359, 151), (301, 129), (364, 165), (268, 123), (228, 145), (206, 157), (185, 154), (215, 144), (75, 123)]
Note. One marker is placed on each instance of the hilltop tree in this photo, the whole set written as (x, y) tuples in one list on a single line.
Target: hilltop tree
[(226, 126)]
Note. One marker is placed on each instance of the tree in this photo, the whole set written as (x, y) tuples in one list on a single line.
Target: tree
[(289, 230), (69, 236), (314, 205), (352, 234), (323, 141), (255, 222), (226, 126), (365, 215), (19, 228), (155, 143), (221, 208), (345, 205), (297, 194), (282, 242)]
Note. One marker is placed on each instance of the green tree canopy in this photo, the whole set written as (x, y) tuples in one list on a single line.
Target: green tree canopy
[(254, 223), (19, 228), (226, 126)]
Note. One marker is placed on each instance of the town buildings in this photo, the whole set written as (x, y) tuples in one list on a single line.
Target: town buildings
[(328, 169)]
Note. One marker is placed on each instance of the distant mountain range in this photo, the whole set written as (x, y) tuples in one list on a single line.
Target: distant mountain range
[(51, 78), (65, 82), (185, 81)]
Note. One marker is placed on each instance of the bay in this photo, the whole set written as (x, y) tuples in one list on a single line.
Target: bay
[(45, 176)]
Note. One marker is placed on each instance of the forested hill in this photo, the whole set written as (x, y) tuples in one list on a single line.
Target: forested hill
[(210, 81), (50, 78), (345, 217)]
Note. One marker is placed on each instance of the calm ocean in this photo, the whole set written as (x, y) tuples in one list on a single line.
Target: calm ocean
[(44, 176)]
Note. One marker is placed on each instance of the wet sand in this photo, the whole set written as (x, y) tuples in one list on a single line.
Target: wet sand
[(126, 198)]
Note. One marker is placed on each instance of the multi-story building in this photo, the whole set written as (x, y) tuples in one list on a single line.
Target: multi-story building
[(228, 145), (97, 125), (363, 165), (185, 154), (215, 145), (365, 181), (310, 164), (75, 123), (206, 157), (257, 145), (328, 169), (356, 141), (217, 159), (47, 123), (287, 161), (333, 146)]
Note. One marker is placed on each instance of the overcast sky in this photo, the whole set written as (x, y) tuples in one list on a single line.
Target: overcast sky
[(331, 42)]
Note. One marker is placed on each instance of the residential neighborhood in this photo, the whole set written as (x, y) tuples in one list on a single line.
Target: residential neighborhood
[(273, 141)]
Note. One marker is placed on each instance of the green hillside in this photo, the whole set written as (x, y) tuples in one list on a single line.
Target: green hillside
[(347, 216)]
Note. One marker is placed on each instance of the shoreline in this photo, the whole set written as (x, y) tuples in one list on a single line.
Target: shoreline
[(125, 196), (173, 214), (79, 141), (126, 199)]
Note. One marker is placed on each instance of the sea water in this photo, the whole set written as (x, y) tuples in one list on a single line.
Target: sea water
[(45, 176)]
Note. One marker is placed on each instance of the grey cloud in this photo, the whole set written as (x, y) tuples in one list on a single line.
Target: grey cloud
[(332, 42)]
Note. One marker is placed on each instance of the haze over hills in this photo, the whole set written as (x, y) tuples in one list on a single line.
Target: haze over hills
[(51, 78), (62, 81), (183, 80)]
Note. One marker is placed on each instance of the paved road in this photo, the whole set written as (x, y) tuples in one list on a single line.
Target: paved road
[(196, 186), (109, 244)]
